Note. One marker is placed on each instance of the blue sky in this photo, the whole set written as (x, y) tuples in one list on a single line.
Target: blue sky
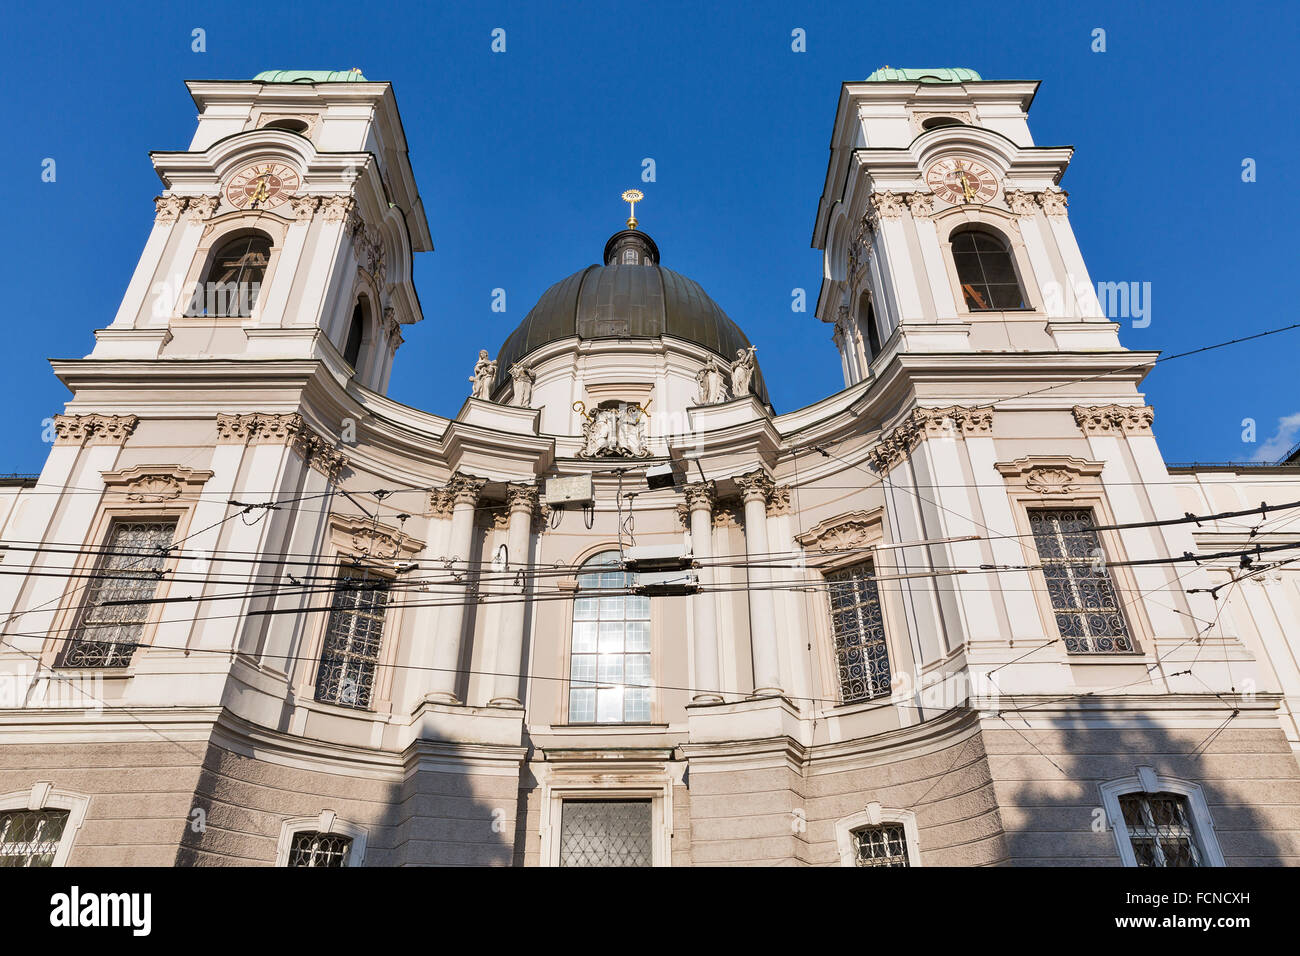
[(520, 158)]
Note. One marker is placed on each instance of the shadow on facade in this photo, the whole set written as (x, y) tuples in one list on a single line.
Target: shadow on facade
[(1050, 787)]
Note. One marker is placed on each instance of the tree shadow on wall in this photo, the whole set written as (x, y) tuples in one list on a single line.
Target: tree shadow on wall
[(1049, 787)]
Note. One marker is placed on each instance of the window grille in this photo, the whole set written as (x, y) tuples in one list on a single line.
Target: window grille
[(1160, 829), (609, 671), (884, 845), (129, 570), (353, 638), (605, 833), (31, 837), (986, 272), (861, 652), (1088, 614), (312, 848)]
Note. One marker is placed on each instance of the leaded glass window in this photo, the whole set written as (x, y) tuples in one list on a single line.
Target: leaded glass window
[(312, 848), (1160, 829), (609, 672), (31, 837), (884, 845), (861, 652), (130, 568), (605, 833), (353, 639), (1088, 613), (986, 272)]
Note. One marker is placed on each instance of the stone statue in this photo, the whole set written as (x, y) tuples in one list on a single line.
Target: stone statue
[(742, 372), (713, 386), (613, 430), (485, 373), (523, 379)]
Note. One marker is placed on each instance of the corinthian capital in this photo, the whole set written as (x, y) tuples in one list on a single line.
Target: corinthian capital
[(754, 485), (701, 495), (464, 489), (522, 498), (93, 429), (1111, 419)]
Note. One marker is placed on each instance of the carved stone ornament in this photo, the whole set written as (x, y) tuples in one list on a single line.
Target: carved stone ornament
[(304, 207), (754, 485), (1053, 201), (338, 208), (368, 247), (614, 430), (258, 428), (885, 206), (1021, 203), (168, 208), (364, 537), (860, 249), (701, 495), (521, 498), (854, 530), (524, 379), (93, 429), (778, 502), (921, 204), (152, 484), (952, 422), (461, 489), (200, 208), (1051, 475), (393, 328), (1113, 419)]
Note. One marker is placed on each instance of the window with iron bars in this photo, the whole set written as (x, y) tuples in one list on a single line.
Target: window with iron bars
[(1160, 829), (883, 845), (353, 639), (31, 837), (107, 634), (312, 848), (1088, 614), (861, 652)]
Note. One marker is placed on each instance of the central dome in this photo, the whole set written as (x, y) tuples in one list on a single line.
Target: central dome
[(630, 297)]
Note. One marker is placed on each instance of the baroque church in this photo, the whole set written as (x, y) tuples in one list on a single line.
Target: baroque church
[(619, 609)]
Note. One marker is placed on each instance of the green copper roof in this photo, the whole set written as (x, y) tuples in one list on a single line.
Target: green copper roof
[(310, 76), (944, 74)]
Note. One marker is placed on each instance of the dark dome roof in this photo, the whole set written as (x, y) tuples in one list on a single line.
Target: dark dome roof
[(622, 300)]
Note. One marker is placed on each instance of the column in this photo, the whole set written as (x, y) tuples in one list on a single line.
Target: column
[(699, 500), (463, 492), (522, 503), (755, 487)]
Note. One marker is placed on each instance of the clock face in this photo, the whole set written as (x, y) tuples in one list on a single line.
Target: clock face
[(262, 186), (959, 181)]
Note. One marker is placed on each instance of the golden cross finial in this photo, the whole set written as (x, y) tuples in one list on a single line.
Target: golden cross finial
[(632, 197)]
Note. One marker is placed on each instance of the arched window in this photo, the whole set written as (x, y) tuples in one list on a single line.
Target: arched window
[(609, 672), (867, 321), (935, 122), (356, 331), (234, 278), (1160, 821), (986, 272)]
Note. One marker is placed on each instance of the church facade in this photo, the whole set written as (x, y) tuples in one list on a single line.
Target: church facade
[(618, 610)]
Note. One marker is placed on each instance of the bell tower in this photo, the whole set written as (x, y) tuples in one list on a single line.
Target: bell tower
[(285, 230), (943, 226)]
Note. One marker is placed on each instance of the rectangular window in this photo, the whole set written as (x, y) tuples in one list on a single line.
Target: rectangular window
[(1088, 614), (1160, 829), (859, 630), (606, 833), (311, 848), (31, 837), (353, 638), (609, 667), (884, 845), (130, 568)]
